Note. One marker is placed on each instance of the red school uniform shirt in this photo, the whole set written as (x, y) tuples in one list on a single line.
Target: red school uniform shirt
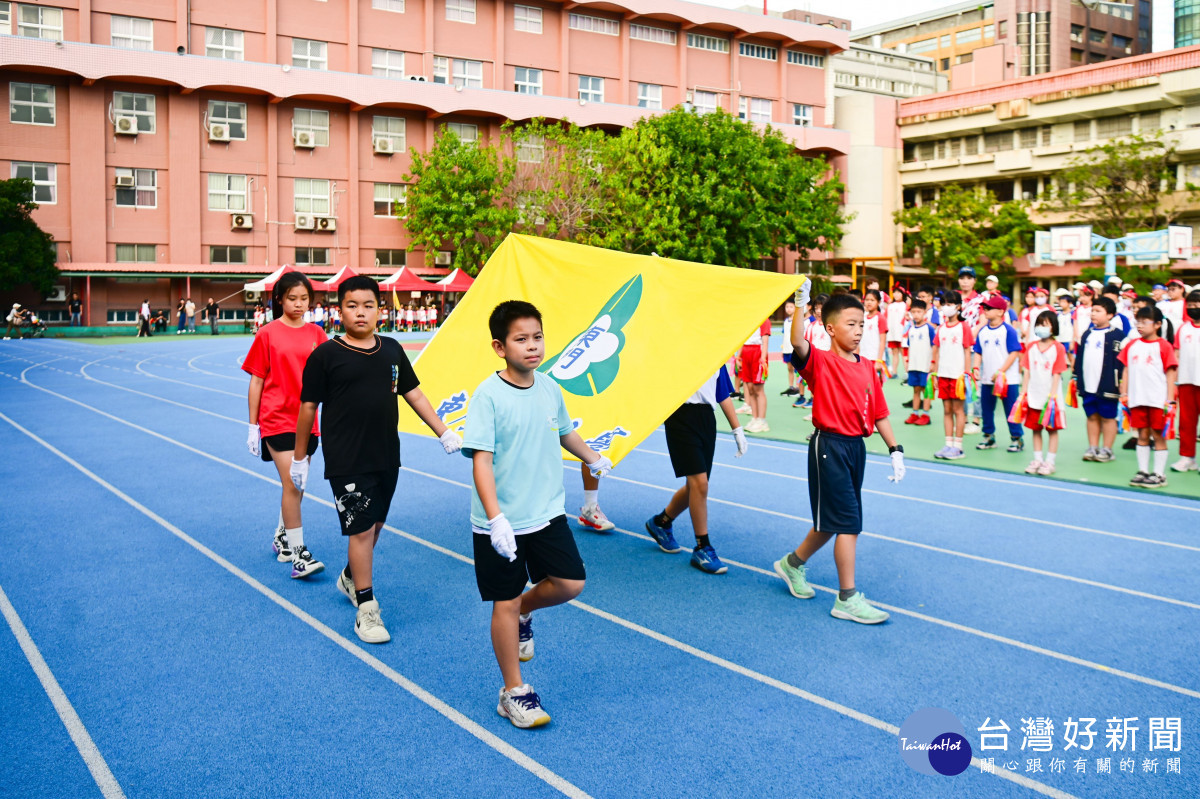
[(278, 355), (847, 395)]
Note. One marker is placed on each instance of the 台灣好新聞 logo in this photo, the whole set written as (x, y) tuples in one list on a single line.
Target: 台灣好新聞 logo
[(933, 741)]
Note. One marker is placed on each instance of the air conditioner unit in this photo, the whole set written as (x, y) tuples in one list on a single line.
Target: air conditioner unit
[(253, 296), (241, 221), (304, 139), (218, 133), (384, 145), (326, 223), (444, 258), (418, 78), (125, 125), (57, 294), (305, 222), (124, 182)]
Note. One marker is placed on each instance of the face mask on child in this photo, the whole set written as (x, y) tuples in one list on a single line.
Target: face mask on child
[(1042, 333), (949, 309), (1194, 314), (1040, 300)]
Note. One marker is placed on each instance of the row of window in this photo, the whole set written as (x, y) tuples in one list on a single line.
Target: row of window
[(228, 254), (1038, 187), (1084, 130), (943, 42), (1079, 34)]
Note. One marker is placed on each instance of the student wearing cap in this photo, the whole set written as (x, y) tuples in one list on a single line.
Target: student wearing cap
[(969, 312), (997, 350), (1173, 306), (1159, 292)]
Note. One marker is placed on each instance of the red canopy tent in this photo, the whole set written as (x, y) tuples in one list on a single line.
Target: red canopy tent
[(332, 283), (458, 280), (268, 283), (404, 280)]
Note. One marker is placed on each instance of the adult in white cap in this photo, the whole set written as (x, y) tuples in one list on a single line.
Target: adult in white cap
[(14, 319)]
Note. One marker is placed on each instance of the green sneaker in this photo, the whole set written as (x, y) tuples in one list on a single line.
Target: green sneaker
[(856, 609), (794, 578)]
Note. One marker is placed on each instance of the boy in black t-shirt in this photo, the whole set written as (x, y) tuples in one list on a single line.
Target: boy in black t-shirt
[(357, 378)]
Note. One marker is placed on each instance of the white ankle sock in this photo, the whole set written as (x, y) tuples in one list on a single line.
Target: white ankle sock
[(1160, 462), (280, 522), (295, 537), (949, 441), (1037, 454), (1143, 459), (591, 498), (1050, 457)]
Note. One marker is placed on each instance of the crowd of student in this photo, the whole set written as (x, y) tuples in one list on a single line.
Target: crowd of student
[(410, 318)]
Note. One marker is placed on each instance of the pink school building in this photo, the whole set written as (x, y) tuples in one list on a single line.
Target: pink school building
[(178, 147)]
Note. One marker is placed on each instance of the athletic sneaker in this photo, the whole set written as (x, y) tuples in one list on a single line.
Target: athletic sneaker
[(790, 392), (971, 429), (762, 427), (525, 647), (1033, 466), (368, 624), (956, 454), (1184, 465), (705, 559), (593, 518), (795, 578), (745, 410), (944, 453), (346, 586), (989, 442), (923, 420), (1139, 479), (1154, 480), (856, 609), (1047, 468), (1017, 445), (1091, 453), (906, 404), (755, 426), (808, 403), (663, 537), (799, 403), (1104, 455), (283, 552), (1130, 444), (304, 564), (912, 418), (522, 707)]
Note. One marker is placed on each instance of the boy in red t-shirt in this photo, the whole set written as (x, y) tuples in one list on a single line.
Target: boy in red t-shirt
[(1147, 387), (848, 405), (1187, 382)]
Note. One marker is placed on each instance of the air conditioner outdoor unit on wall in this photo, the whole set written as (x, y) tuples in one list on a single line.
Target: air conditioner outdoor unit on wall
[(241, 221), (125, 125), (218, 133), (124, 182), (418, 78), (326, 223), (444, 258), (384, 146), (57, 294), (305, 222), (304, 139), (253, 296)]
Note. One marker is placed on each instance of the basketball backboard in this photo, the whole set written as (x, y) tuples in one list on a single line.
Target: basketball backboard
[(1071, 243)]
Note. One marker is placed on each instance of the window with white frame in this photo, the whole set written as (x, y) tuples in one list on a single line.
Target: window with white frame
[(310, 53), (528, 81), (310, 120), (390, 257), (648, 33), (388, 199), (226, 192), (649, 95), (132, 33), (802, 115), (465, 131), (758, 51), (310, 196), (225, 254), (144, 191), (136, 253), (586, 22), (140, 106), (531, 149), (458, 71), (44, 177), (805, 59), (698, 41), (311, 256), (389, 5), (754, 109), (527, 19), (460, 11), (387, 63), (392, 128), (40, 22), (31, 104), (225, 43), (231, 115), (705, 102), (591, 89), (5, 17)]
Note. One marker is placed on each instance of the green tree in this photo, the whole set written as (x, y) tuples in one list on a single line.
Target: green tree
[(964, 225), (714, 189), (457, 200), (557, 183), (1122, 186), (27, 253)]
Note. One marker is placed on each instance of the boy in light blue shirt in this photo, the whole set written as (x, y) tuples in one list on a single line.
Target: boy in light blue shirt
[(517, 427)]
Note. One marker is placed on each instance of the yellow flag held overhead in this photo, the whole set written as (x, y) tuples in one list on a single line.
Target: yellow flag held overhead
[(628, 337)]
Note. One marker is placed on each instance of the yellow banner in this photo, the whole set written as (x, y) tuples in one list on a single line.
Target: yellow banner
[(628, 337)]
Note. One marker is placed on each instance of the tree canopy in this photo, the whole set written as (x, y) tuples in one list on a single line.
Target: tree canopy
[(27, 253)]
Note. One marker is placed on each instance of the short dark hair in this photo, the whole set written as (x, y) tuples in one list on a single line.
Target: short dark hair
[(820, 300), (285, 284), (1111, 288), (1047, 318), (1107, 304), (507, 312), (919, 304), (873, 293), (1151, 312), (855, 293), (951, 297), (1193, 296), (357, 283), (926, 290), (835, 305)]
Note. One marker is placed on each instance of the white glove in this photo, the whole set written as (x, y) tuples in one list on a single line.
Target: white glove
[(600, 467), (739, 437), (898, 467), (252, 440), (802, 295), (504, 541), (299, 473), (451, 441)]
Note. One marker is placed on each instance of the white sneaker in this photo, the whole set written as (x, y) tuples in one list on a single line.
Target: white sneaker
[(1033, 467), (1184, 465), (753, 426), (971, 429), (304, 564), (763, 427), (369, 626), (283, 550), (1047, 468), (592, 517), (522, 707), (346, 586), (745, 410)]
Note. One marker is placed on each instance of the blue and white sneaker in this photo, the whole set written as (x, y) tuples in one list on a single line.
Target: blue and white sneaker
[(705, 559), (525, 647), (956, 454), (663, 537), (945, 453)]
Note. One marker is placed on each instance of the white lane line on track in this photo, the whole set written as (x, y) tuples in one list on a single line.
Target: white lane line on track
[(483, 735), (449, 712), (1101, 667), (96, 764), (192, 365), (138, 367)]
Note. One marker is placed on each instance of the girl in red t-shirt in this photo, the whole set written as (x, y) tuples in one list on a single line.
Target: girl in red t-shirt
[(276, 366)]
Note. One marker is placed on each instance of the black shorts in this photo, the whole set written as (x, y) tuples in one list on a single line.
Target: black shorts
[(285, 442), (691, 439), (836, 464), (363, 500), (550, 552)]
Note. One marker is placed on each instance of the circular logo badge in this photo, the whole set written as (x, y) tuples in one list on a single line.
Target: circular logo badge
[(933, 741)]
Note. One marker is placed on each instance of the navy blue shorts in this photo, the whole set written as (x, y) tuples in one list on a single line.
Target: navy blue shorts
[(1096, 404), (836, 464), (918, 379)]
